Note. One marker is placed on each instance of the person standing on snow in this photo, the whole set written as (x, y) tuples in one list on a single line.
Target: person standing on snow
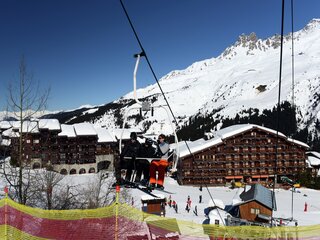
[(159, 165)]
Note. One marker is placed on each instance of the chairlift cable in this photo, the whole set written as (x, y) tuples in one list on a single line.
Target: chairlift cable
[(162, 92), (278, 111), (292, 69), (292, 55)]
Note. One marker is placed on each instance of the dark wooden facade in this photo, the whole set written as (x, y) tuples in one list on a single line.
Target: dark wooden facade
[(249, 156), (46, 147), (39, 148), (250, 211)]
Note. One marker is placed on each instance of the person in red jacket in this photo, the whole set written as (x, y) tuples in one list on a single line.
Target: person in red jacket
[(159, 165)]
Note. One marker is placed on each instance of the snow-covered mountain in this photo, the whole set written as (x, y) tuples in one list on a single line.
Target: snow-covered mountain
[(245, 75)]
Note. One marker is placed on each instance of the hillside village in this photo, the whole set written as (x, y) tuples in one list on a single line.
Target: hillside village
[(240, 153)]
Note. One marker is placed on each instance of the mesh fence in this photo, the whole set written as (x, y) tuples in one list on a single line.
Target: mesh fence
[(121, 221)]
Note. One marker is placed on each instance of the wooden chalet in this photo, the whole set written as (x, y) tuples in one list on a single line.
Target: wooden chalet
[(241, 153), (313, 163), (153, 205), (256, 205)]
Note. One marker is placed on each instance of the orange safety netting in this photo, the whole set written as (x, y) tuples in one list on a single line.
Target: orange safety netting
[(121, 221)]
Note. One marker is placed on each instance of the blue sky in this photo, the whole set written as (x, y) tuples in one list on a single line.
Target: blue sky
[(83, 50)]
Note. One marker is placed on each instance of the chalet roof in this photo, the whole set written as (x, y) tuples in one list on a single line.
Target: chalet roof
[(9, 133), (27, 126), (260, 194), (216, 203), (51, 124), (313, 153), (149, 197), (239, 128), (67, 131), (313, 161), (227, 132), (298, 142), (5, 124), (104, 135), (84, 129), (197, 146), (5, 142)]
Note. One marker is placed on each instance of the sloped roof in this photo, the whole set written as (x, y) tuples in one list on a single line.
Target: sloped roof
[(104, 135), (313, 153), (260, 194), (67, 131), (5, 124), (227, 132), (51, 124), (84, 129), (313, 161), (27, 126)]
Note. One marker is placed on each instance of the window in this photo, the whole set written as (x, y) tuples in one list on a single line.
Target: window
[(254, 210), (28, 141), (36, 141)]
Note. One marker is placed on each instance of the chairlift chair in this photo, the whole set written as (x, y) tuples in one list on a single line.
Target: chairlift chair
[(146, 106)]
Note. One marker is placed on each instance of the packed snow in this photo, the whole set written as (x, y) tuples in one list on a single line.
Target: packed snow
[(306, 204), (302, 197)]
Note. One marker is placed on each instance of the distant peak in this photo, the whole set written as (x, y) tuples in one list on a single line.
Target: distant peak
[(312, 24), (247, 40)]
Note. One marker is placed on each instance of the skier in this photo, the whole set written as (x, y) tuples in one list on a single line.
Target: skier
[(131, 150), (195, 211), (189, 202), (187, 208), (159, 165), (143, 165)]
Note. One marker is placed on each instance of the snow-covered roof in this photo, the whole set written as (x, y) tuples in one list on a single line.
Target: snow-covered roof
[(27, 126), (5, 142), (298, 142), (316, 154), (149, 197), (5, 124), (67, 131), (10, 133), (84, 129), (239, 128), (202, 144), (104, 135), (51, 124), (197, 146), (313, 161), (218, 214), (216, 203)]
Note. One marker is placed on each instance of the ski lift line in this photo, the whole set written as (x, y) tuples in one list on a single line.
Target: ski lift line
[(164, 96), (292, 69), (278, 107), (147, 59), (292, 54)]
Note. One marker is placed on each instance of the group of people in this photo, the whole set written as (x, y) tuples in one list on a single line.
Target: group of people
[(135, 157)]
